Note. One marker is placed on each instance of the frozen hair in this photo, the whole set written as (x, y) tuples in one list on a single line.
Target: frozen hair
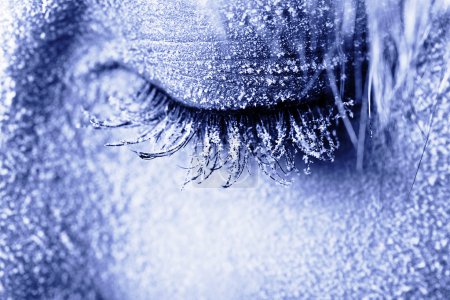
[(397, 30)]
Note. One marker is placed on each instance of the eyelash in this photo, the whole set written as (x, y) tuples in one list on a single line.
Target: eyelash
[(272, 138)]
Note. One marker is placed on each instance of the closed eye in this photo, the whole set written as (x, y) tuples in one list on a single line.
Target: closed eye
[(262, 93), (273, 137)]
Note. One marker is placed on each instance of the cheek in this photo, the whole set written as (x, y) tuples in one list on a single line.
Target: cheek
[(336, 227), (145, 237), (260, 242)]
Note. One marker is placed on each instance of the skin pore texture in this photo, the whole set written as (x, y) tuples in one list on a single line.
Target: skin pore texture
[(82, 221)]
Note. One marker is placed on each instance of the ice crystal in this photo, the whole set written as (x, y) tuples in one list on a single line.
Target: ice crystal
[(78, 221), (219, 140)]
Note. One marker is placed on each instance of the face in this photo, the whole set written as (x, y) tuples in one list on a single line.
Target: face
[(290, 150)]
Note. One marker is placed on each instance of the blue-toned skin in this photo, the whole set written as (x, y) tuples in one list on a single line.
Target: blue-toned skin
[(82, 221)]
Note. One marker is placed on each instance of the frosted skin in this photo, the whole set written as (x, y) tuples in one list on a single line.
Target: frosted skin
[(82, 220), (238, 54)]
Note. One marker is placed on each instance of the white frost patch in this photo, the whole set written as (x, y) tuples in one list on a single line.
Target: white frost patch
[(222, 246)]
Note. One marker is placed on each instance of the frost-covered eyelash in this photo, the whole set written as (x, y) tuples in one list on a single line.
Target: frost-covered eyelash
[(221, 140), (275, 138)]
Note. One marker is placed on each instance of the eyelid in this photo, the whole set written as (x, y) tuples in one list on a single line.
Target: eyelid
[(229, 140)]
